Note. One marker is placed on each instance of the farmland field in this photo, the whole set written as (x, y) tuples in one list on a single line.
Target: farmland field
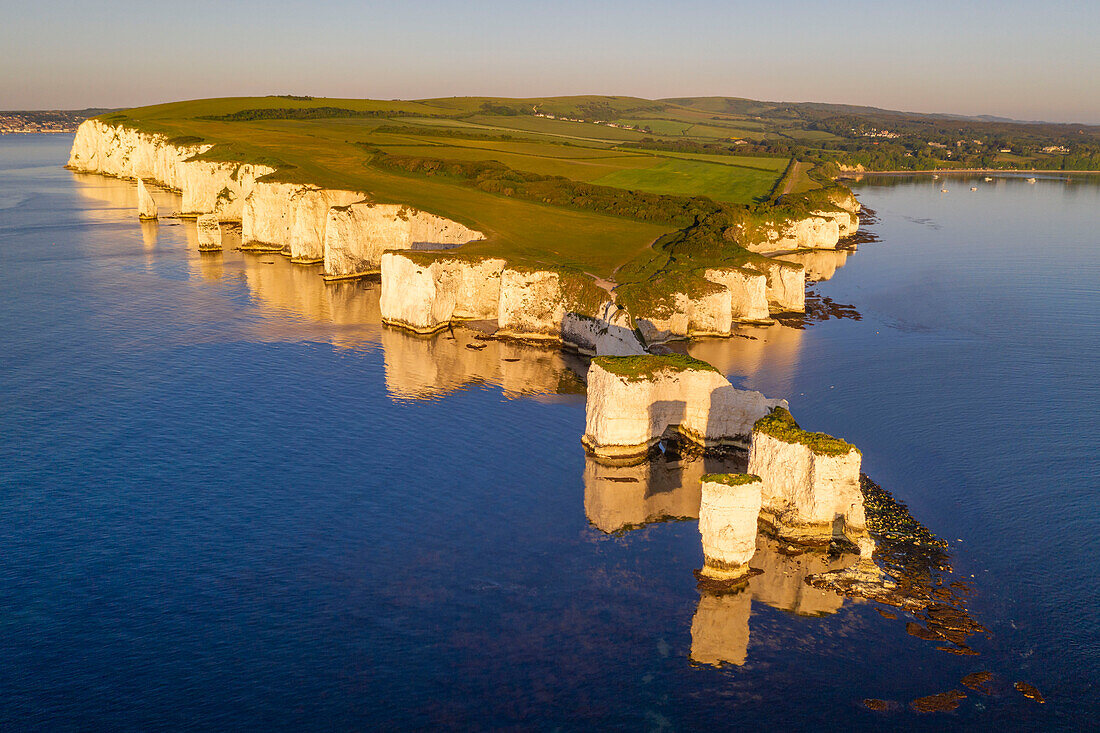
[(335, 143)]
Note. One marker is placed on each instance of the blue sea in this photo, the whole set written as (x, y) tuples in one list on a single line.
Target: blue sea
[(231, 499)]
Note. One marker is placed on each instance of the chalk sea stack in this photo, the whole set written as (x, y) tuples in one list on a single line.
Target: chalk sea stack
[(147, 207)]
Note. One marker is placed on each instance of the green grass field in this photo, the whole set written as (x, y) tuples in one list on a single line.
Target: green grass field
[(685, 177), (333, 148)]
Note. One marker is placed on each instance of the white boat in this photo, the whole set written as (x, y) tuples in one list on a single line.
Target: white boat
[(1031, 180), (943, 190), (973, 188), (988, 179)]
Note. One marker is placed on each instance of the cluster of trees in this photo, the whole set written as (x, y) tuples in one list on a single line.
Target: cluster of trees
[(920, 142), (304, 113)]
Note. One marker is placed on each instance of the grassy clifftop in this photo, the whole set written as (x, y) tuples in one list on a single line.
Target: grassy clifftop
[(566, 181)]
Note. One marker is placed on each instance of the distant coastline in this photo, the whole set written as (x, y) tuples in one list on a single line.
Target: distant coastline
[(860, 174)]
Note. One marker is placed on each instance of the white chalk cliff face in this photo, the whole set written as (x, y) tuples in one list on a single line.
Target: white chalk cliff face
[(748, 291), (118, 151), (847, 222), (356, 235), (217, 188), (812, 232), (147, 207), (708, 313), (785, 285), (424, 294), (727, 522), (809, 493), (207, 187), (633, 401)]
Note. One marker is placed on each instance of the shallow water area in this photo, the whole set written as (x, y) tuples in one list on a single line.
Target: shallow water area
[(232, 498)]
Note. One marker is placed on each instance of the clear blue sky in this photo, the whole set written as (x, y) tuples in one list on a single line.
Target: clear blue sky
[(1029, 60)]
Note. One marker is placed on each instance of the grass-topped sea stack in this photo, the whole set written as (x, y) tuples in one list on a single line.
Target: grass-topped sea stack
[(727, 522), (633, 401), (810, 480)]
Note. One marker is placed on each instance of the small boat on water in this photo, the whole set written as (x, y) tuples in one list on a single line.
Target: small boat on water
[(935, 177), (988, 179), (973, 188), (1031, 180), (943, 190)]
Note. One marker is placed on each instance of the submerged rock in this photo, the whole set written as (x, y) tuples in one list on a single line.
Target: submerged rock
[(1030, 692), (939, 703)]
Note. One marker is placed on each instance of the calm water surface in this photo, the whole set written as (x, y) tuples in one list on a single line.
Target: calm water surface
[(230, 499)]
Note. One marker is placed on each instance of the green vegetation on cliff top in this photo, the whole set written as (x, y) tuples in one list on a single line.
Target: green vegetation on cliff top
[(780, 425), (730, 479), (646, 366), (544, 190)]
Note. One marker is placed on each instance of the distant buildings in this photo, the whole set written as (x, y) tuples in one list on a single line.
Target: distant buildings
[(875, 132), (24, 122)]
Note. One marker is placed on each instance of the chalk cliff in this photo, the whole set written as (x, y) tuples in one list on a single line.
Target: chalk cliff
[(785, 284), (810, 482), (811, 232), (147, 207), (349, 234), (633, 400), (219, 188), (727, 522), (208, 187), (748, 291), (424, 293), (356, 235), (563, 306), (119, 151)]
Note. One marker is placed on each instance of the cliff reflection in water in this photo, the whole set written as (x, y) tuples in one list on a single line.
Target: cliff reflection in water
[(293, 303), (820, 264), (621, 498), (720, 628)]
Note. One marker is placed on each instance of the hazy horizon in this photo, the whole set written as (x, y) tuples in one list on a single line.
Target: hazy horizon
[(1014, 59)]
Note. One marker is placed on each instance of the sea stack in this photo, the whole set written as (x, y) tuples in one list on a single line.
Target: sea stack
[(727, 521), (147, 207), (634, 400), (810, 482), (210, 233)]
